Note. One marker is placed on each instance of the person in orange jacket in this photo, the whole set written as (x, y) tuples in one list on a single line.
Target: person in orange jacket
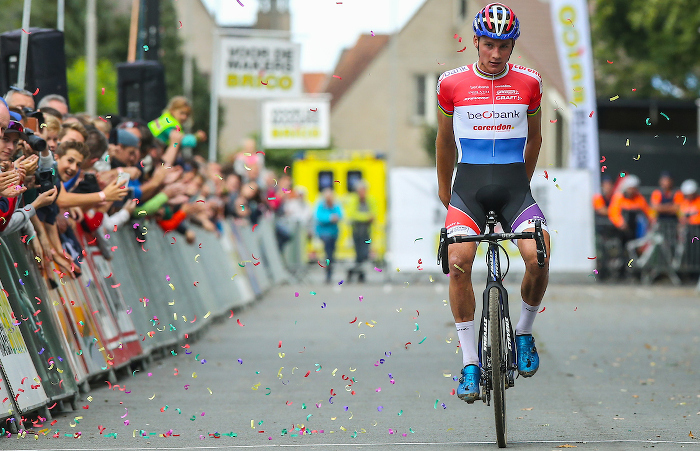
[(627, 203), (689, 203), (664, 200)]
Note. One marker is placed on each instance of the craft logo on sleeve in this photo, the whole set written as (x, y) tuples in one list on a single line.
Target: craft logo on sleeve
[(260, 68)]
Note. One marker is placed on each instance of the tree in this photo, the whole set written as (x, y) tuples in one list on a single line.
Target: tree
[(646, 41), (106, 79)]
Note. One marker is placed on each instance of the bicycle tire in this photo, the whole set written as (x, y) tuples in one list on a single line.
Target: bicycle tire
[(498, 376)]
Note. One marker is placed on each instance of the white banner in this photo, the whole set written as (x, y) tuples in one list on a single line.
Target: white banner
[(572, 35), (258, 68), (296, 124), (417, 215)]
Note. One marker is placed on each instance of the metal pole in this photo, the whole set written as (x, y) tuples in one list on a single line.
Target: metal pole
[(60, 22), (91, 58), (214, 101), (393, 77), (24, 44), (133, 31)]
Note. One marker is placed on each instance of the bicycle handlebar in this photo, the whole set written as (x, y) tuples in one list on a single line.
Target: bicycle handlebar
[(537, 235)]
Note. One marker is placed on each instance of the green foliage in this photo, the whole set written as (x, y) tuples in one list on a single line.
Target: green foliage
[(106, 78), (112, 27), (429, 137), (643, 39)]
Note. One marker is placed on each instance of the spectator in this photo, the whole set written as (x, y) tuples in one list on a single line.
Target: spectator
[(19, 98), (55, 101), (51, 132), (601, 201), (689, 204), (663, 199), (328, 214), (628, 208), (361, 212), (175, 115)]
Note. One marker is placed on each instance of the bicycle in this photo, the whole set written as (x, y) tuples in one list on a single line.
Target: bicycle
[(497, 357)]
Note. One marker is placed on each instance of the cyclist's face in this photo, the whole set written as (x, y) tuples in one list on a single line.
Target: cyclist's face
[(493, 53)]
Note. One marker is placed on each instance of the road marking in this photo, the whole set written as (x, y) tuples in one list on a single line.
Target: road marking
[(366, 445)]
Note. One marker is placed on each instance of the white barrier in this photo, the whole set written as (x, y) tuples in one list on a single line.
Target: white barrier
[(417, 215)]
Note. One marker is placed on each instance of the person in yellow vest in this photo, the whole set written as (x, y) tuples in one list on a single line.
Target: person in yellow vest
[(361, 212), (176, 113)]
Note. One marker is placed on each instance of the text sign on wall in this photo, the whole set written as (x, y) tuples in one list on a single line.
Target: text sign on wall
[(296, 124), (255, 68)]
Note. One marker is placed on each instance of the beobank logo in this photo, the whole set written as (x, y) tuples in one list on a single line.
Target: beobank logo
[(494, 114), (499, 127)]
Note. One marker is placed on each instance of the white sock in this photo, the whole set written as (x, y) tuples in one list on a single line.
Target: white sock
[(467, 340), (527, 317)]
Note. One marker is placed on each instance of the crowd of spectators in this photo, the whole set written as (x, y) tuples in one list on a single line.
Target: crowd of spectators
[(623, 215), (65, 173)]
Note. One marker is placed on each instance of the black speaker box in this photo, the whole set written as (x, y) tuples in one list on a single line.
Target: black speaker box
[(141, 89), (46, 62)]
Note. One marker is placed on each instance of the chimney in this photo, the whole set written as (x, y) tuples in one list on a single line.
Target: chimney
[(273, 15)]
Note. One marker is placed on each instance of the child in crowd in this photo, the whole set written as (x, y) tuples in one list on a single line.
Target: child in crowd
[(175, 115)]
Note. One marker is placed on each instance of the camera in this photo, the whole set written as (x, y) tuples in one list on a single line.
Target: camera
[(44, 180), (37, 143)]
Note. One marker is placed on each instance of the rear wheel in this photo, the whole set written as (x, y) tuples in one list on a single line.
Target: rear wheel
[(498, 373)]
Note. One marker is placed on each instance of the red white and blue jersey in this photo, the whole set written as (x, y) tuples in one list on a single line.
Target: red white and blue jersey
[(490, 112)]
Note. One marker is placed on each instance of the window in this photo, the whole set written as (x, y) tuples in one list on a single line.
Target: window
[(283, 6), (353, 178), (425, 98), (325, 180), (463, 10), (264, 5), (559, 140), (420, 95)]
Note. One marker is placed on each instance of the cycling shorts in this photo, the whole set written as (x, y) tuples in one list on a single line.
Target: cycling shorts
[(502, 188)]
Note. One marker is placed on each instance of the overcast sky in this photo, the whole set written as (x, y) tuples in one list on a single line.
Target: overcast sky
[(325, 27)]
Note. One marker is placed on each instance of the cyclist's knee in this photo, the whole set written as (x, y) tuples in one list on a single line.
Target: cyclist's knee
[(461, 262), (532, 266)]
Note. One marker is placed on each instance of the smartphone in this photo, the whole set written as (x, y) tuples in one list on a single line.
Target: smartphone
[(123, 178), (33, 123)]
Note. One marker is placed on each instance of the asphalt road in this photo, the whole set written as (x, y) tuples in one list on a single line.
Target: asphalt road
[(619, 370)]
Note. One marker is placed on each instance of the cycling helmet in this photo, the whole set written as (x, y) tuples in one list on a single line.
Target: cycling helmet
[(497, 21)]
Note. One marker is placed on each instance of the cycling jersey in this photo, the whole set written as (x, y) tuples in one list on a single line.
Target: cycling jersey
[(490, 129), (490, 112)]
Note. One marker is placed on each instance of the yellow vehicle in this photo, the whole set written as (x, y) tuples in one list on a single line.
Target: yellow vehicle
[(340, 170)]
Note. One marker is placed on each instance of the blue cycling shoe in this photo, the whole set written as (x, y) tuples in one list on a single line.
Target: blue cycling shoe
[(468, 389), (528, 360)]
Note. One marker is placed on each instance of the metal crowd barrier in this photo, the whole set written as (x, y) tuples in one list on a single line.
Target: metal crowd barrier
[(119, 313)]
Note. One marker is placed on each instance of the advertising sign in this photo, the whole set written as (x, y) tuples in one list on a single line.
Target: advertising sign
[(258, 68), (296, 124), (572, 36)]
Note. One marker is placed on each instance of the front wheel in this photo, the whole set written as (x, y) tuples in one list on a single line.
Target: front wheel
[(498, 373)]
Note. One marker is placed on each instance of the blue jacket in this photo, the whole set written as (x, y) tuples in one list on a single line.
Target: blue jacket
[(324, 226)]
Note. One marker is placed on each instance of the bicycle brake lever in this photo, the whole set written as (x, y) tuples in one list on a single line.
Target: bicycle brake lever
[(541, 248)]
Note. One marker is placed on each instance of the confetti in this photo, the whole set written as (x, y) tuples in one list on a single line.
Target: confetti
[(542, 310), (614, 98), (338, 77), (665, 116)]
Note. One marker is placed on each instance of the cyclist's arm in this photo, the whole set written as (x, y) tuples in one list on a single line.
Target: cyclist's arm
[(534, 142), (445, 154)]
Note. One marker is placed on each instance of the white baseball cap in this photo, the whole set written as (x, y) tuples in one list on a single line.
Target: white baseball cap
[(689, 187)]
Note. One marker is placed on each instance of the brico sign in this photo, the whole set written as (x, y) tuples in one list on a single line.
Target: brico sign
[(259, 68)]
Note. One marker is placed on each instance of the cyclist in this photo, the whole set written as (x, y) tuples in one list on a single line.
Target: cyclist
[(490, 117)]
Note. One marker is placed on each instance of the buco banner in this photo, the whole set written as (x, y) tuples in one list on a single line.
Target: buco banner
[(572, 35), (256, 68), (296, 124)]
